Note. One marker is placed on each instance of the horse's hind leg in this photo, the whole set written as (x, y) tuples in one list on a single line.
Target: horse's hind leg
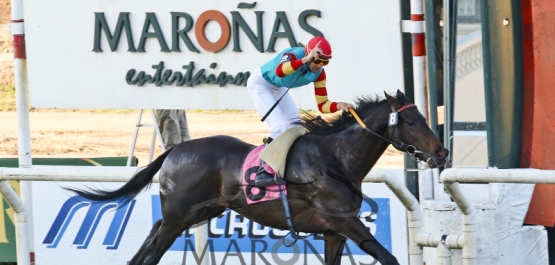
[(160, 240), (148, 241), (164, 233), (168, 232), (334, 248)]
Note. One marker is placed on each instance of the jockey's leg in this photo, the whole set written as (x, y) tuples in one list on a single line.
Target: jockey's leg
[(290, 111), (265, 95), (263, 176), (291, 116)]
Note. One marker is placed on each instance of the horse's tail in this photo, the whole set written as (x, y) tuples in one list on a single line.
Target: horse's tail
[(140, 181)]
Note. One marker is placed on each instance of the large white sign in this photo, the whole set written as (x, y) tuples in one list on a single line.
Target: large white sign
[(198, 54), (71, 230)]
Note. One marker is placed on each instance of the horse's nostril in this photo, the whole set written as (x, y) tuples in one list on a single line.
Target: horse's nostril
[(441, 153)]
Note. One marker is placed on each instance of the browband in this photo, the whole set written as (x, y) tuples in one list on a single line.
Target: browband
[(406, 107)]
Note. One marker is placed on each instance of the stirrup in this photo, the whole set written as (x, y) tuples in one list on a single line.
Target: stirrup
[(263, 179)]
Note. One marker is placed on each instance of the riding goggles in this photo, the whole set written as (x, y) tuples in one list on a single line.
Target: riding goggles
[(320, 62)]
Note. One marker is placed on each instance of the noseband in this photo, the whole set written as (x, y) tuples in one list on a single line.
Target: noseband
[(393, 138)]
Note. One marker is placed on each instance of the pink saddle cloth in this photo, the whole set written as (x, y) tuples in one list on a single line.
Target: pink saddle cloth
[(257, 194)]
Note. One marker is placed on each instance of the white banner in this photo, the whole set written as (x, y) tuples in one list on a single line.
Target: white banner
[(194, 54), (69, 230)]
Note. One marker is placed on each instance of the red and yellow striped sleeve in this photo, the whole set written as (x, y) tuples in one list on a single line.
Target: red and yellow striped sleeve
[(324, 104), (289, 65)]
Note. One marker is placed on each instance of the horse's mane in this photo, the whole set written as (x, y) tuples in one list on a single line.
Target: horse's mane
[(319, 126)]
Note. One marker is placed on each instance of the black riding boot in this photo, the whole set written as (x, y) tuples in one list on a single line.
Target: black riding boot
[(263, 178)]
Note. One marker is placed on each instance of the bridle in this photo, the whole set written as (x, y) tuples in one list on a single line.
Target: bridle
[(393, 138)]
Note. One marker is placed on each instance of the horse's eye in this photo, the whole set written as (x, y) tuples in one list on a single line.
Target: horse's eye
[(410, 123)]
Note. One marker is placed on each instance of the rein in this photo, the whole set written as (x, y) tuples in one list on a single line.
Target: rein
[(396, 142)]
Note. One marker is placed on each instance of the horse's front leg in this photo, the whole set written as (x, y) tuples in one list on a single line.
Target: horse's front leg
[(354, 229), (334, 248)]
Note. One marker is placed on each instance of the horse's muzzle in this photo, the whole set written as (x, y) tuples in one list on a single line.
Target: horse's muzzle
[(438, 159)]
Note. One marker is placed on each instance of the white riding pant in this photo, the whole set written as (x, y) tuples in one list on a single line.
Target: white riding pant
[(265, 95)]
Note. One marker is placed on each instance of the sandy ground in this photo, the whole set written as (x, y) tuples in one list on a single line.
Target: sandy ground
[(6, 50), (87, 135)]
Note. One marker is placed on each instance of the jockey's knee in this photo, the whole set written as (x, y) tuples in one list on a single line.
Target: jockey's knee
[(276, 131), (295, 122)]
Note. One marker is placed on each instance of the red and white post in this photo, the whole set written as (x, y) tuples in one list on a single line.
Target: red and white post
[(23, 218), (419, 57), (415, 26)]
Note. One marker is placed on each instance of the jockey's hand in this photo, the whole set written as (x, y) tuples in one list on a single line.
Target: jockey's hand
[(344, 106), (314, 54)]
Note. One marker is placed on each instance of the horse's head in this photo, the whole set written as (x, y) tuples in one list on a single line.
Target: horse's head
[(413, 134)]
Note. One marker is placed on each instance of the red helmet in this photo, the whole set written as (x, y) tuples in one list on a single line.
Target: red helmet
[(324, 46)]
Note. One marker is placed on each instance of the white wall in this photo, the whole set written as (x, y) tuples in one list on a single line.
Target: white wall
[(65, 72)]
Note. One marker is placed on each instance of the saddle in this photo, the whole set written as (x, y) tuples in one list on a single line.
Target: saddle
[(275, 154)]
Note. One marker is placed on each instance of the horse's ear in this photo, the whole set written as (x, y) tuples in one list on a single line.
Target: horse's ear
[(402, 98), (393, 101)]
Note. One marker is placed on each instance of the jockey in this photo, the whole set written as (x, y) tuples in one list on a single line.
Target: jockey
[(268, 83)]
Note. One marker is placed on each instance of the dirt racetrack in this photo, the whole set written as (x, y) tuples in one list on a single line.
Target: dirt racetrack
[(86, 134)]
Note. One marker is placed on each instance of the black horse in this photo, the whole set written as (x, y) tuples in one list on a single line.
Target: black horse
[(199, 179)]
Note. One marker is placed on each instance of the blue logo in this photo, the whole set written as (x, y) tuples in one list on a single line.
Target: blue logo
[(232, 232), (94, 214)]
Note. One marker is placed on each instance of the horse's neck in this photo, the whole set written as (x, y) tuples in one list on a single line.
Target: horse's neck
[(362, 148)]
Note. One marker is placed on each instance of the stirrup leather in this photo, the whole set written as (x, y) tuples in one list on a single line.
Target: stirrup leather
[(268, 180)]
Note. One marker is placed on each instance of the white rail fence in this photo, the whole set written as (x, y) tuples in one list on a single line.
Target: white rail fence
[(418, 238)]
